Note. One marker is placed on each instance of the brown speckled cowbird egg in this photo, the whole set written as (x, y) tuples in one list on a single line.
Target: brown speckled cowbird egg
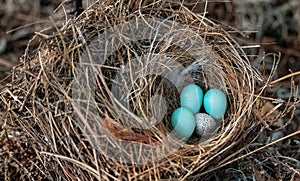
[(205, 124)]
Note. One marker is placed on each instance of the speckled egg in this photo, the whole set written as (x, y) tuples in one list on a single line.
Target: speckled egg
[(215, 103), (183, 122), (205, 124), (191, 97)]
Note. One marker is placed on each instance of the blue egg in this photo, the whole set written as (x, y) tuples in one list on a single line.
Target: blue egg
[(183, 122), (191, 97), (215, 103)]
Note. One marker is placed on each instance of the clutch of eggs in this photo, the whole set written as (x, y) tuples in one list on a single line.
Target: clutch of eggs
[(186, 118)]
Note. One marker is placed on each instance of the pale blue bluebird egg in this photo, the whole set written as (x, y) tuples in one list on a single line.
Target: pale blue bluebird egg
[(183, 122), (215, 103), (191, 97)]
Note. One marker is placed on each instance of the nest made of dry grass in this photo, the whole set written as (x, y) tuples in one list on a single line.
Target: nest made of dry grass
[(39, 103)]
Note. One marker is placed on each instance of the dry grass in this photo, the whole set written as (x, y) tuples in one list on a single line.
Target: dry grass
[(58, 140)]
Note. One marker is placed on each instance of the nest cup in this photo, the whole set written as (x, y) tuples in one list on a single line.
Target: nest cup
[(132, 95), (97, 97)]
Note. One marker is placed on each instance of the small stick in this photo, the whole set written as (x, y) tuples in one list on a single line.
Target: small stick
[(285, 77)]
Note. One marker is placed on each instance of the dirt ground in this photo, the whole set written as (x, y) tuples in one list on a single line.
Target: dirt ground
[(272, 24)]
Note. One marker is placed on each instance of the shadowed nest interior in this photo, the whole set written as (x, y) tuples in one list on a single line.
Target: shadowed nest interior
[(90, 104)]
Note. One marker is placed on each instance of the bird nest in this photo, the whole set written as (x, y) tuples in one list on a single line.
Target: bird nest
[(96, 98)]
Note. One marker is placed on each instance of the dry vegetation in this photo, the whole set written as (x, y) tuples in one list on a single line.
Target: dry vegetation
[(40, 139)]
